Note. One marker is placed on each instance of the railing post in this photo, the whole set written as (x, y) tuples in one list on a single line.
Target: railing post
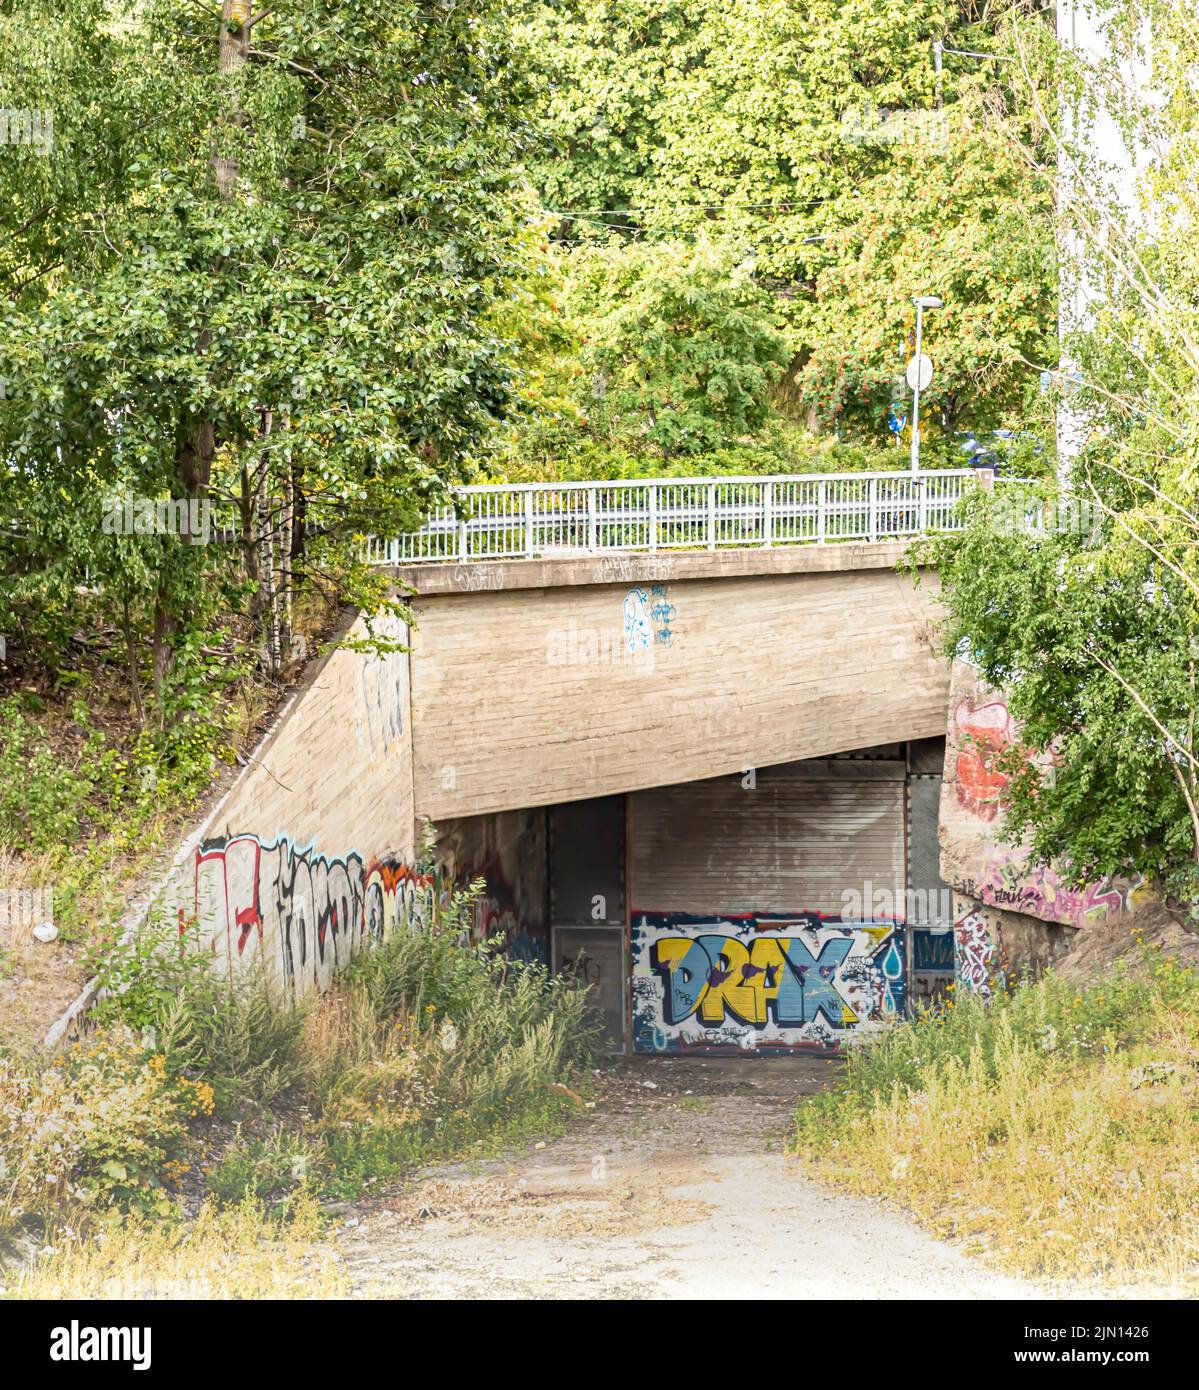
[(529, 524), (712, 515), (592, 518), (821, 511), (462, 542), (768, 514), (921, 506), (653, 515), (872, 504)]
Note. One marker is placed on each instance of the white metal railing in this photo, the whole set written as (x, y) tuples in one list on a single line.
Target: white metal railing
[(527, 520)]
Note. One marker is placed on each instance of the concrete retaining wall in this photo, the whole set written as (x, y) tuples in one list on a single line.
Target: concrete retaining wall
[(309, 856)]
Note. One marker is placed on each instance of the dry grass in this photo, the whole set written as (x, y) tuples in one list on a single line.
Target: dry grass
[(1056, 1132), (235, 1253)]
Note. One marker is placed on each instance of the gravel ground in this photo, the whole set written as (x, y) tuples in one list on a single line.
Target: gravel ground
[(675, 1185)]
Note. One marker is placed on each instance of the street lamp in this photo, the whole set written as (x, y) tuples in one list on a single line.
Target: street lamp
[(916, 371)]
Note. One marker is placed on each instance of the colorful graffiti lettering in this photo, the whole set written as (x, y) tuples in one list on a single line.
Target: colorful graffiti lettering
[(396, 896), (783, 982), (983, 733), (297, 914), (1010, 881)]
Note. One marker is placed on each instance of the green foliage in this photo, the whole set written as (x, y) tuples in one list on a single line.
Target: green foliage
[(679, 348), (1093, 641), (105, 1127), (1091, 628), (272, 290), (266, 1167), (758, 122), (41, 801), (554, 449), (424, 1046)]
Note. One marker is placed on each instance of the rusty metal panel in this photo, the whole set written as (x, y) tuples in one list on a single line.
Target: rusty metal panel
[(596, 956), (792, 838)]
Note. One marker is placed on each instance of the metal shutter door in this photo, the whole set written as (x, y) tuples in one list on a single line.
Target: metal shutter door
[(794, 843)]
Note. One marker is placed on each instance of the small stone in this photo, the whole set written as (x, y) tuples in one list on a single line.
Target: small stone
[(46, 931), (540, 1144)]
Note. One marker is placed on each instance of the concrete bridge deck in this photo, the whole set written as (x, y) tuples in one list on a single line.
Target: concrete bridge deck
[(562, 678)]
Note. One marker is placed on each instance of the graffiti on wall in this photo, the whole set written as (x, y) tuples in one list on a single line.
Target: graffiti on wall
[(382, 688), (296, 914), (1010, 882), (636, 621), (769, 982), (932, 966), (662, 614), (507, 850), (648, 618), (974, 953), (496, 915), (984, 731), (1007, 879)]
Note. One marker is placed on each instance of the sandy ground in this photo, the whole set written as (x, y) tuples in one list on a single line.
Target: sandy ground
[(676, 1185)]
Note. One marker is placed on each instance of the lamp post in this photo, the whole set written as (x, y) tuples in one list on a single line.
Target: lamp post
[(924, 301)]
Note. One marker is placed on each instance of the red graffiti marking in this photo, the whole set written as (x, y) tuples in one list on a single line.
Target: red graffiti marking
[(984, 732)]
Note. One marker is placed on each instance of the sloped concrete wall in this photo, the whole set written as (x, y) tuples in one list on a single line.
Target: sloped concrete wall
[(309, 856)]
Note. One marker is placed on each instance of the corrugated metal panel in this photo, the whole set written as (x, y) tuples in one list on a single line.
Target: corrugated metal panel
[(794, 841)]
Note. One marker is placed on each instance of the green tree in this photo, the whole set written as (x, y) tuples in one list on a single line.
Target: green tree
[(260, 267), (680, 347), (1093, 629), (811, 137)]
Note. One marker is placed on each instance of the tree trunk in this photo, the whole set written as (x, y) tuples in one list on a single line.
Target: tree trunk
[(286, 528), (234, 53), (135, 684)]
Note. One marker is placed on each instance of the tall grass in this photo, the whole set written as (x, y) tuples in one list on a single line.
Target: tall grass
[(239, 1251), (1056, 1129), (425, 1046)]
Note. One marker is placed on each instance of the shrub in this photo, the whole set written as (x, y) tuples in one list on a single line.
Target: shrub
[(105, 1126)]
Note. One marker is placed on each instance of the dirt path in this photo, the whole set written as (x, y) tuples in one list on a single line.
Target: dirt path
[(675, 1186)]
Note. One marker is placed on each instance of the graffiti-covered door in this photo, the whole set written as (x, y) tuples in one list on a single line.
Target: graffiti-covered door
[(766, 908)]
